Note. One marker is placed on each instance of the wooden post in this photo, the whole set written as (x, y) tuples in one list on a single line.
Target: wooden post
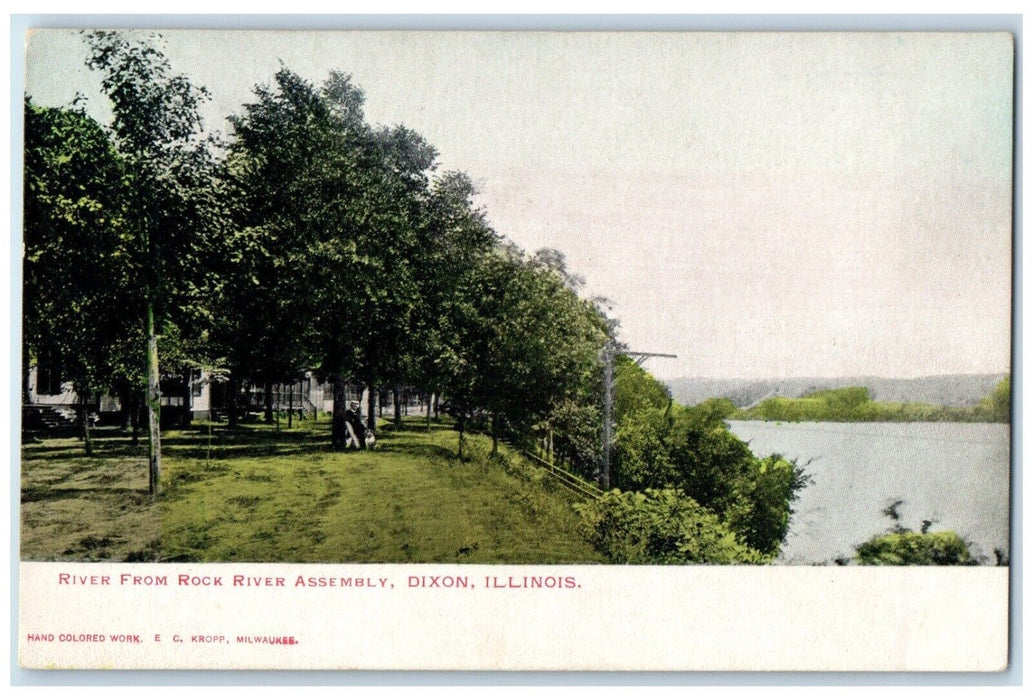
[(153, 406), (607, 414)]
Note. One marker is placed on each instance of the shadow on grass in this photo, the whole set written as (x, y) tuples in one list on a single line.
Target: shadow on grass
[(413, 426), (418, 449), (245, 442), (107, 447), (34, 494)]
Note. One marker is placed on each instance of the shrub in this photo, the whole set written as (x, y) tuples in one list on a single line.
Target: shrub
[(661, 527), (997, 406), (760, 513), (577, 440), (641, 457), (693, 451), (915, 548)]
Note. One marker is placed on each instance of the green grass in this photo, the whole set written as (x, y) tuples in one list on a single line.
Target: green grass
[(259, 494)]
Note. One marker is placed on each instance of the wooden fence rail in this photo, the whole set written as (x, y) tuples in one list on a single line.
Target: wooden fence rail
[(570, 481)]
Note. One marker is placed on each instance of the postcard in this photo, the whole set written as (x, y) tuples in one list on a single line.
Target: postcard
[(484, 350)]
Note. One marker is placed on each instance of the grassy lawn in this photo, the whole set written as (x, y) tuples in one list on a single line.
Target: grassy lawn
[(261, 494)]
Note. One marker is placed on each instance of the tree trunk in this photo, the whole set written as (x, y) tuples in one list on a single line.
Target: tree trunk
[(371, 411), (396, 396), (460, 425), (231, 400), (153, 406), (279, 399), (84, 417), (268, 402), (134, 417), (188, 398), (436, 411), (338, 431), (290, 407), (26, 398), (494, 435)]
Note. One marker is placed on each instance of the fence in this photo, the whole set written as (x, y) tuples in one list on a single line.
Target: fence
[(569, 481)]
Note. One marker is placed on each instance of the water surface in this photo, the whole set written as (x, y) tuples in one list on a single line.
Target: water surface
[(955, 474)]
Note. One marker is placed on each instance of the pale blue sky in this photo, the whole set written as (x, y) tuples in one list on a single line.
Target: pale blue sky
[(760, 204)]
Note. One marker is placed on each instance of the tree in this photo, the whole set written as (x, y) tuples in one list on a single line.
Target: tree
[(77, 274), (390, 292), (454, 237), (337, 206), (522, 342), (636, 389), (157, 130)]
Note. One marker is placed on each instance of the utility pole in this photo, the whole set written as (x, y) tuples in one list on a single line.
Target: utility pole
[(609, 385), (608, 353)]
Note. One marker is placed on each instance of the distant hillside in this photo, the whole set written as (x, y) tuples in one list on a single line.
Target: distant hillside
[(944, 390)]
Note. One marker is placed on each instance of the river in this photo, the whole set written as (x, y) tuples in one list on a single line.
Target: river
[(955, 474)]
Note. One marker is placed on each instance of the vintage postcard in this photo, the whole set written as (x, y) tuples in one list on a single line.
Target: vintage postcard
[(643, 351)]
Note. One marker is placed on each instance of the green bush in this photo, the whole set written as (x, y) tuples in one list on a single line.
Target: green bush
[(636, 389), (576, 436), (661, 526), (761, 510), (691, 449), (915, 548), (641, 458), (997, 406)]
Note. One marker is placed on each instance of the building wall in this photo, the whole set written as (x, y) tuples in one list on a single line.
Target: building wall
[(200, 396)]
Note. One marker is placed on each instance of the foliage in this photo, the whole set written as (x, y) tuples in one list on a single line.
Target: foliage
[(636, 389), (642, 455), (761, 507), (520, 342), (662, 526), (853, 404), (902, 547), (576, 435), (714, 410), (692, 450), (997, 406), (915, 548), (78, 286), (157, 130)]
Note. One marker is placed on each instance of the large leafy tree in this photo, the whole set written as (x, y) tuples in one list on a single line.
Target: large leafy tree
[(455, 237), (300, 159), (390, 298), (522, 342), (329, 232), (268, 292), (77, 267), (157, 131)]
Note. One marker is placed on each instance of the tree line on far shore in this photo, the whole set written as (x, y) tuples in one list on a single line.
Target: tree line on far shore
[(854, 404)]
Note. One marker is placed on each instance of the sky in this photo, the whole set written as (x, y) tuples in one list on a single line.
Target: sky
[(760, 204)]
